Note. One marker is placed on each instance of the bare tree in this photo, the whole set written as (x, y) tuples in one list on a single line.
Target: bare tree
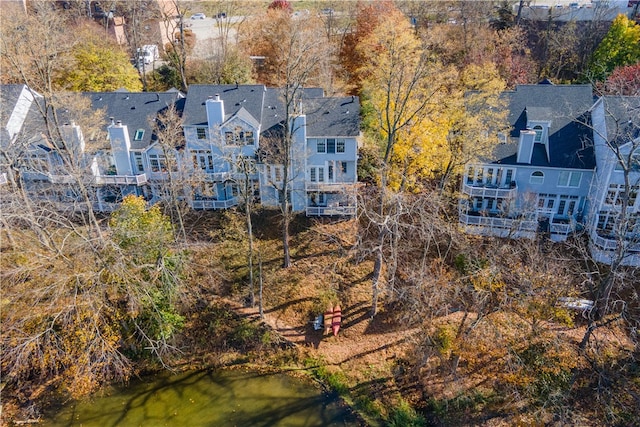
[(298, 54), (168, 129), (178, 47), (614, 227)]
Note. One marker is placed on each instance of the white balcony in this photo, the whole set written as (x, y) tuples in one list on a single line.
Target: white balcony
[(498, 226), (62, 179), (330, 187), (121, 179), (209, 204), (218, 176), (603, 250), (489, 190), (331, 210)]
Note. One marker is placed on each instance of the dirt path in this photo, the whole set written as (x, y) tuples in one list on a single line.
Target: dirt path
[(361, 342)]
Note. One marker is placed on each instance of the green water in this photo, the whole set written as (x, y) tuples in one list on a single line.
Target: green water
[(209, 398)]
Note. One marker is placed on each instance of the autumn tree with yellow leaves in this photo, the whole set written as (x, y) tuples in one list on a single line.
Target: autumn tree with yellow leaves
[(425, 119), (401, 85)]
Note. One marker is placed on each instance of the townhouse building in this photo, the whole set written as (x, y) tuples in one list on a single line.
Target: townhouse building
[(614, 223), (234, 132), (556, 171), (227, 142)]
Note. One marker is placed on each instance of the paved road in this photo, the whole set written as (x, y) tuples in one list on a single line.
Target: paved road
[(207, 31)]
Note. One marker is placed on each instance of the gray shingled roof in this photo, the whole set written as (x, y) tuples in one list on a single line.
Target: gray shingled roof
[(332, 116), (9, 95), (566, 106), (622, 118), (134, 109), (249, 97), (325, 116)]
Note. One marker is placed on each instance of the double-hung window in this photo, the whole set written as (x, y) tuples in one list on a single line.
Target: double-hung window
[(569, 179), (331, 145), (137, 158), (538, 130), (321, 146), (158, 162), (340, 146)]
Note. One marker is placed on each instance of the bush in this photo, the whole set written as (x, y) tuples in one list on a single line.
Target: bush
[(403, 415)]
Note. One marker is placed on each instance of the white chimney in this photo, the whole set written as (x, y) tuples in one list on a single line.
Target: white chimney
[(215, 111), (120, 147), (73, 138), (525, 145)]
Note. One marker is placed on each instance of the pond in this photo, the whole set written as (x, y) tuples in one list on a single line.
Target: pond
[(209, 398)]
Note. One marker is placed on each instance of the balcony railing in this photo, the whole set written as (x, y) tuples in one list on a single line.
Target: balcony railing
[(560, 228), (603, 250), (121, 179), (214, 204), (488, 190), (331, 211), (62, 179), (218, 176), (330, 187), (498, 223)]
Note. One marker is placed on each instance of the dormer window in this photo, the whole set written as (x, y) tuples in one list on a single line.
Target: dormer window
[(538, 130), (139, 135)]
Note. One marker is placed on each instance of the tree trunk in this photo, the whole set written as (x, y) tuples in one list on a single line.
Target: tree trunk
[(375, 280), (286, 261), (247, 212), (260, 302)]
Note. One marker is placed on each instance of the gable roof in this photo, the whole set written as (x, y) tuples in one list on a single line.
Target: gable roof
[(244, 115), (566, 107)]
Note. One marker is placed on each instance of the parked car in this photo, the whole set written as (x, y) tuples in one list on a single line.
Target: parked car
[(198, 16)]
